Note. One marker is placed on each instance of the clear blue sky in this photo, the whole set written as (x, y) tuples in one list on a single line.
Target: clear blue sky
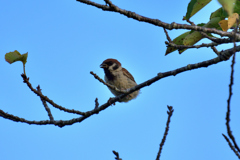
[(66, 40)]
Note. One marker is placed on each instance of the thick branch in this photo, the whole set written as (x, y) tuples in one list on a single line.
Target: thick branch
[(113, 8)]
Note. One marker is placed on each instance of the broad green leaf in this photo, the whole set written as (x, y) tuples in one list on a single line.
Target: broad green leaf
[(192, 38), (14, 56), (190, 9), (11, 57), (219, 13), (213, 23), (227, 5), (178, 40), (237, 7), (194, 6)]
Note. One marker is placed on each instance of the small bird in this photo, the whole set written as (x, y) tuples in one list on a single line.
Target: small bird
[(119, 77)]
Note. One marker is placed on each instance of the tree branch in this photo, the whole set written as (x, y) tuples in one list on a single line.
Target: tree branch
[(231, 146), (106, 84), (228, 106), (45, 105), (169, 112), (45, 98), (171, 44), (156, 22), (117, 155)]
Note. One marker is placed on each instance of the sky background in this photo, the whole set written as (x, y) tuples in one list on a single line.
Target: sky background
[(65, 40)]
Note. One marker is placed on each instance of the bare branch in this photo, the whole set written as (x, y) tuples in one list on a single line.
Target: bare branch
[(45, 98), (117, 155), (231, 146), (171, 44), (215, 50), (228, 105), (96, 103), (169, 112), (156, 22), (168, 37), (45, 105), (217, 40), (108, 85)]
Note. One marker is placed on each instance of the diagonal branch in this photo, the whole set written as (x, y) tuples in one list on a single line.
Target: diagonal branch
[(231, 146), (106, 84), (45, 98), (113, 8), (117, 155), (45, 105)]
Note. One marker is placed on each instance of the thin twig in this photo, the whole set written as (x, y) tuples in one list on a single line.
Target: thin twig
[(230, 94), (108, 85), (45, 105), (189, 22), (215, 50), (171, 44), (228, 105), (169, 112), (26, 80), (96, 103), (117, 155), (231, 146), (217, 40), (168, 37)]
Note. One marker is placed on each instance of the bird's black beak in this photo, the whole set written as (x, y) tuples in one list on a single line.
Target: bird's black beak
[(103, 65)]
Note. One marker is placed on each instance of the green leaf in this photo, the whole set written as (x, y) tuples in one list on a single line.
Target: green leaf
[(213, 23), (194, 6), (195, 36), (192, 38), (219, 13), (11, 57), (190, 9), (228, 5), (14, 56), (179, 41), (237, 7)]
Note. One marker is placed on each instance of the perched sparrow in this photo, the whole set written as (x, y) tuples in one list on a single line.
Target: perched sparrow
[(119, 77)]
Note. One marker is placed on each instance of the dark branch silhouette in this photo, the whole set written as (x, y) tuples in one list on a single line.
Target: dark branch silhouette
[(235, 148), (45, 105), (117, 155), (113, 8), (169, 112), (228, 111)]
